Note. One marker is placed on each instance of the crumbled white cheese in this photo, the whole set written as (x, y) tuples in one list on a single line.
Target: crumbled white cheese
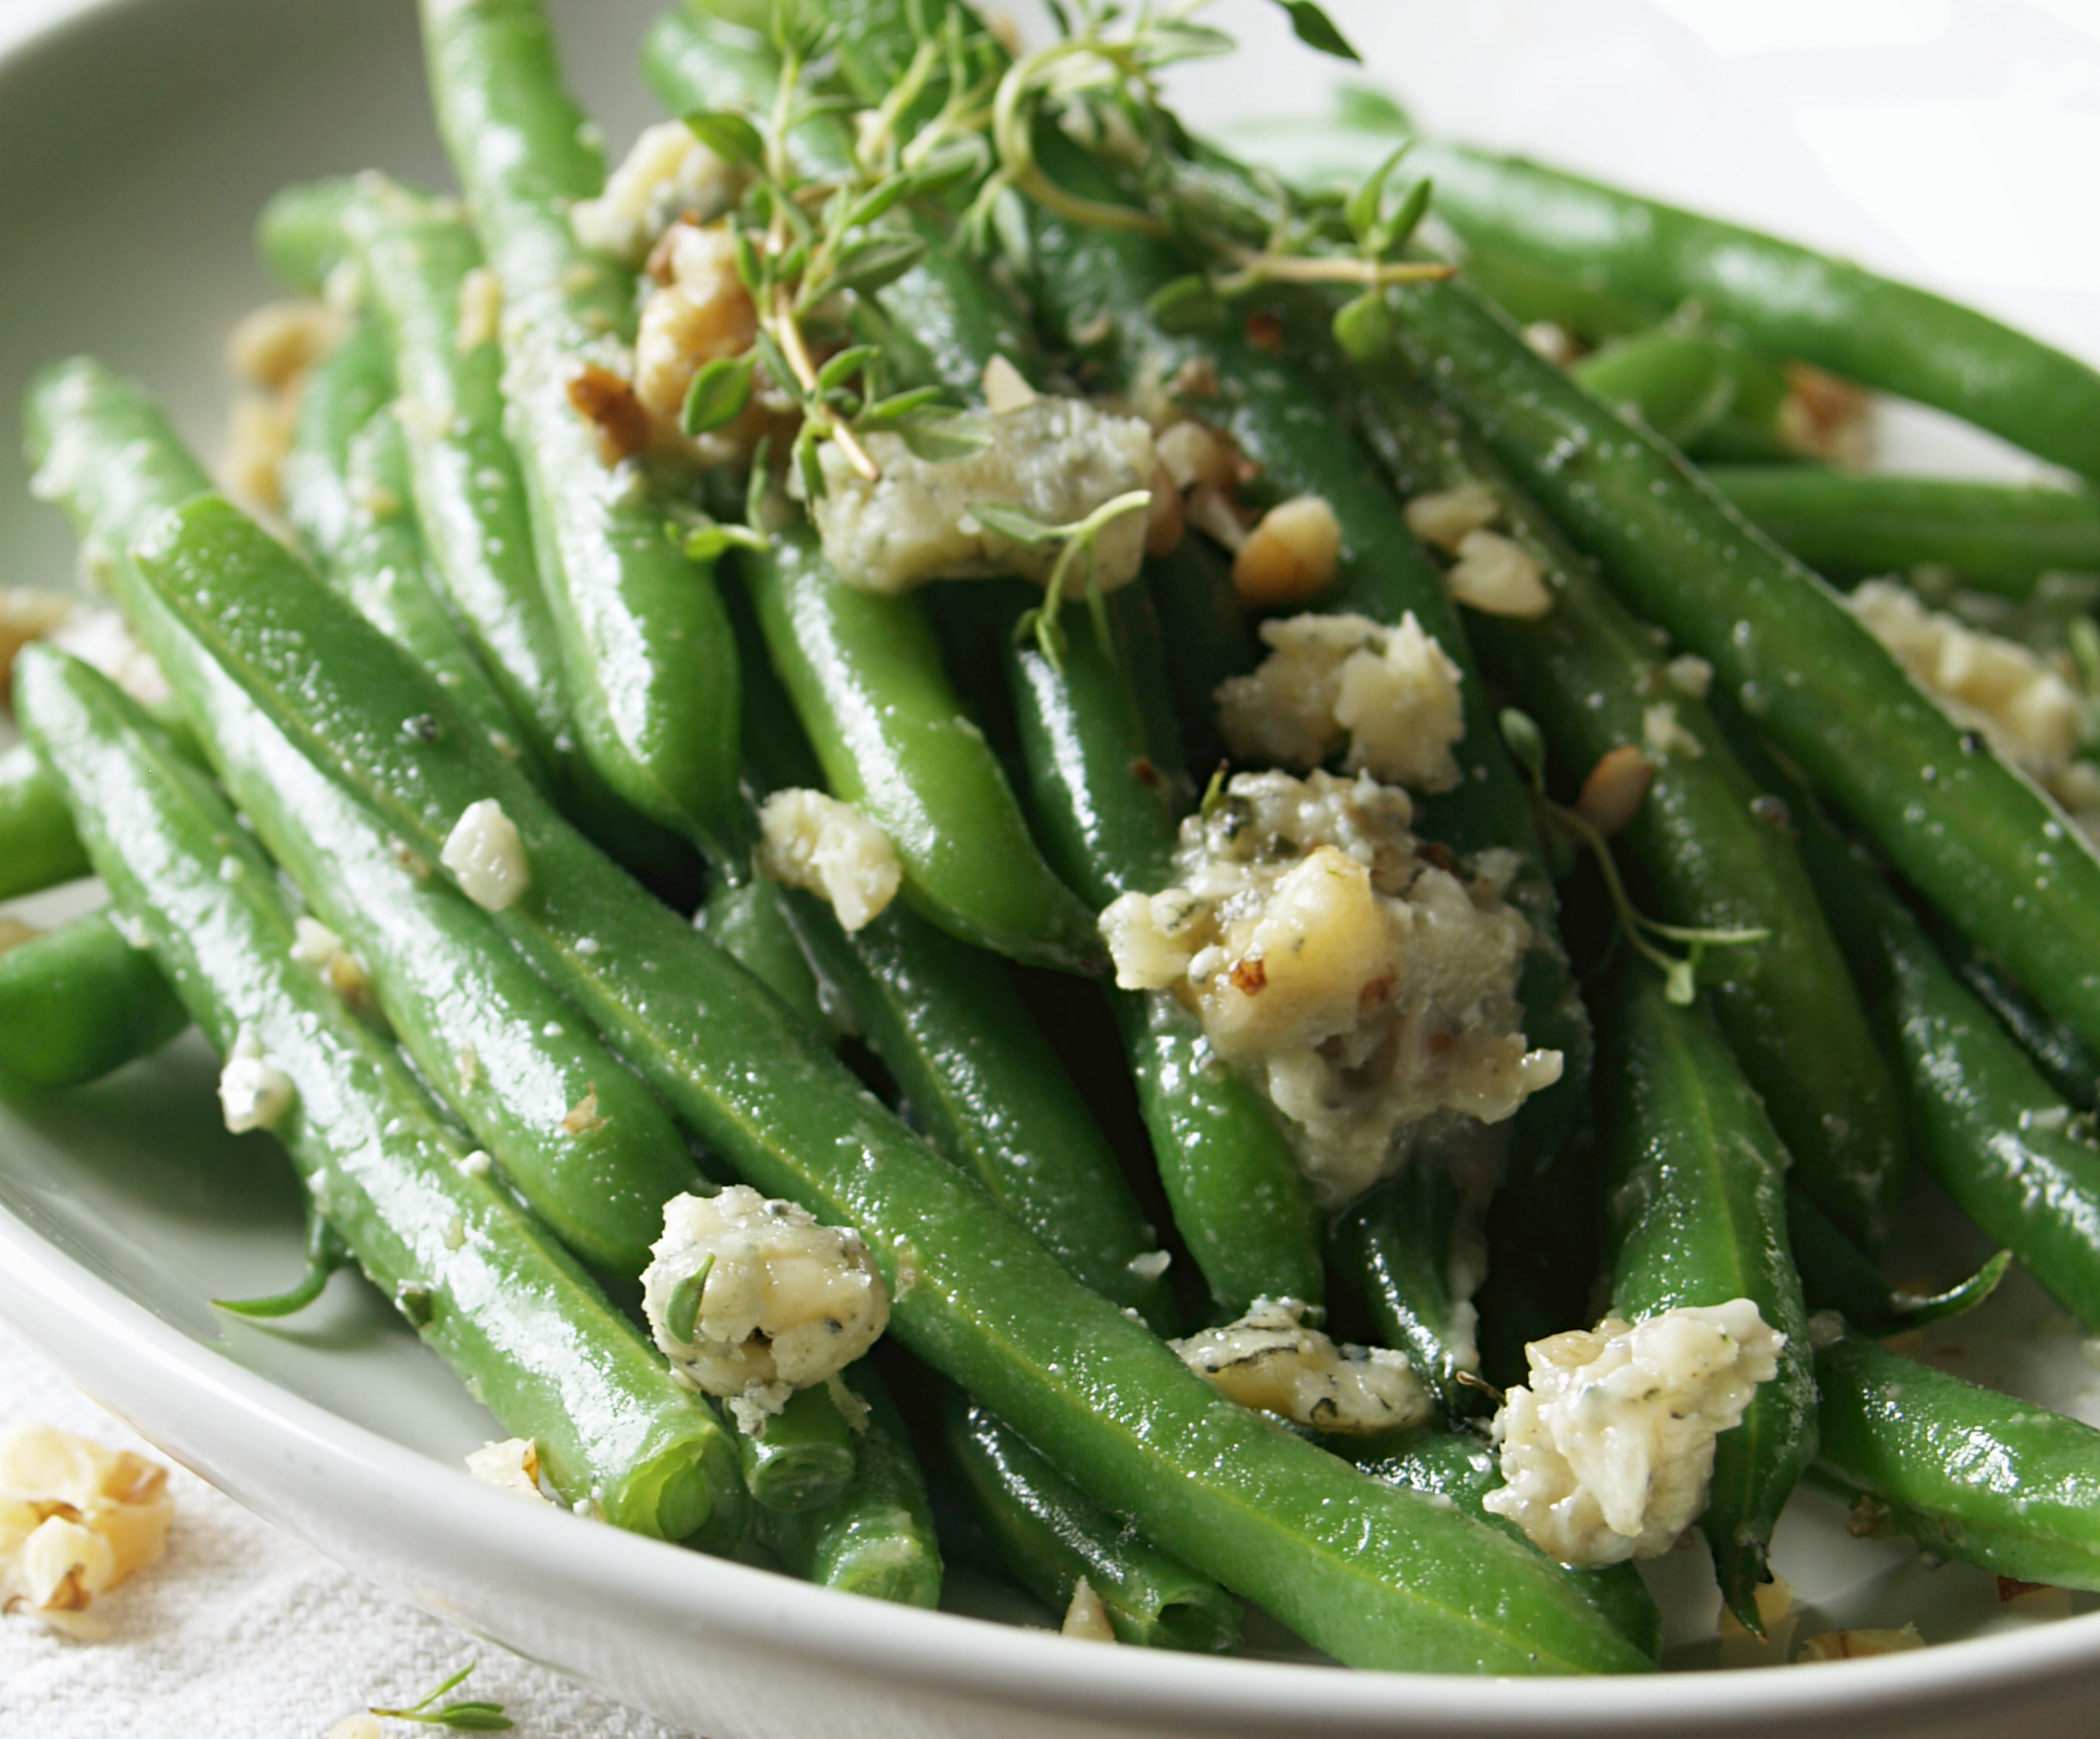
[(1447, 515), (1087, 1618), (254, 1093), (75, 1520), (1608, 1449), (814, 842), (1663, 737), (667, 172), (486, 856), (316, 945), (1058, 458), (1392, 693), (1371, 992), (2023, 708), (1270, 1361), (785, 1300), (358, 1724), (511, 1465), (1498, 576), (1690, 674)]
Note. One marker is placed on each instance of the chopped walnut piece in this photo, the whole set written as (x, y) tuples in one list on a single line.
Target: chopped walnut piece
[(1614, 792), (75, 1520), (1292, 554), (602, 397)]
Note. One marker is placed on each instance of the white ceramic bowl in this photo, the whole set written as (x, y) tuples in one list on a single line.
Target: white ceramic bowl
[(137, 139)]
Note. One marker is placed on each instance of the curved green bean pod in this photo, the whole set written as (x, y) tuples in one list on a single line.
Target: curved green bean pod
[(1108, 802), (1787, 300), (1463, 1468), (346, 492), (79, 1002), (1373, 1576), (1049, 1536), (495, 1296), (1997, 538), (875, 1538), (2062, 1057), (1696, 851), (1698, 1216), (1397, 1245), (575, 1131), (1967, 1473), (802, 1458), (865, 676), (420, 270), (1202, 619), (1679, 382), (648, 652), (39, 847), (1974, 837)]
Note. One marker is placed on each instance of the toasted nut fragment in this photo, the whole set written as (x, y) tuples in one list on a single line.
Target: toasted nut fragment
[(1292, 554), (1498, 577), (1859, 1644), (1194, 453), (1613, 792), (1827, 418), (1444, 517), (1166, 519), (1211, 510), (702, 315), (276, 344), (258, 437), (600, 396), (1551, 341), (511, 1465), (14, 933), (75, 1520), (481, 309), (1087, 1618), (1006, 388)]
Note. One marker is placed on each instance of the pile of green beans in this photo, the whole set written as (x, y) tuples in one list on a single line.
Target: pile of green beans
[(490, 599)]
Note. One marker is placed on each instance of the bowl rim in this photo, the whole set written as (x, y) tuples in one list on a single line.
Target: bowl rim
[(54, 1299)]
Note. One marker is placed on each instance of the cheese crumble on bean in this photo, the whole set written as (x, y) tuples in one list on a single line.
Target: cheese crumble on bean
[(1270, 1360), (486, 856), (814, 842)]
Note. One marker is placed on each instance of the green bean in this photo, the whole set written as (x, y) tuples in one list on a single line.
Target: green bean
[(512, 1313), (1985, 1122), (2064, 1057), (1397, 1244), (346, 492), (1202, 619), (1965, 1471), (875, 1538), (1974, 837), (1107, 798), (648, 653), (801, 1459), (1463, 1468), (571, 1126), (1835, 1276), (37, 845), (1698, 1217), (1788, 301), (1679, 382), (416, 261), (865, 676), (749, 924), (1997, 538), (1050, 1537), (80, 1001), (1372, 1576), (1697, 851)]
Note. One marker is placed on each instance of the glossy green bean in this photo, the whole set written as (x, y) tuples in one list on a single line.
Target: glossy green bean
[(1462, 1468), (571, 1126), (650, 657), (1205, 626), (2064, 1057), (1788, 301), (1397, 1245), (1050, 1536), (80, 1001), (1688, 384), (1371, 1574), (1977, 840), (346, 492), (1697, 851), (801, 1459), (1109, 801), (486, 1289), (876, 1537), (1997, 538), (39, 847), (1698, 1217), (1967, 1473), (865, 676)]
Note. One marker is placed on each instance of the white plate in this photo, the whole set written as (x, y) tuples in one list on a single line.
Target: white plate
[(137, 141)]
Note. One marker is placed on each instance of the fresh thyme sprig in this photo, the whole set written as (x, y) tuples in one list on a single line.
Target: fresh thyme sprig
[(1680, 972), (1075, 540), (466, 1717), (805, 241)]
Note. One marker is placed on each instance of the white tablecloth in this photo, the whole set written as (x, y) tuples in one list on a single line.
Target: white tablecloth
[(243, 1633)]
